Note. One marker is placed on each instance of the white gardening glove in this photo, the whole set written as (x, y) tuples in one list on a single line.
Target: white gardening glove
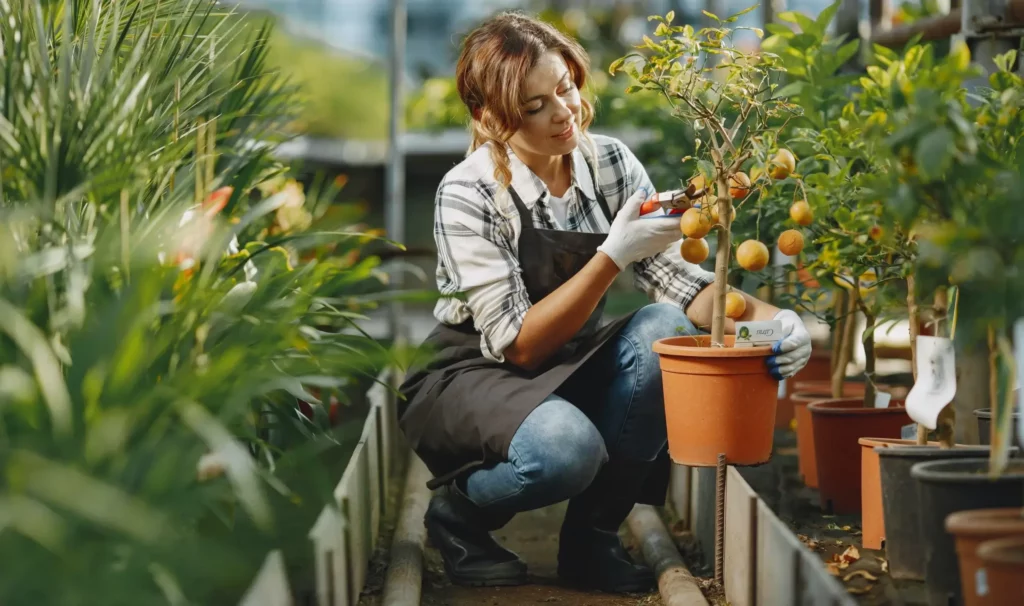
[(632, 238), (793, 350)]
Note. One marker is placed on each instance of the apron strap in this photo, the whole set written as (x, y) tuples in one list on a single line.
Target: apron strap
[(525, 216)]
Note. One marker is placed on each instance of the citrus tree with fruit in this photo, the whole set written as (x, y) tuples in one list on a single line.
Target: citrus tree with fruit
[(704, 77)]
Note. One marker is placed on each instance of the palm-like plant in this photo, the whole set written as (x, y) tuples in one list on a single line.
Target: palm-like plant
[(151, 449)]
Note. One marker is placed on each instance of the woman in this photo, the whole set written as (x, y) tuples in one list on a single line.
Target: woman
[(530, 399)]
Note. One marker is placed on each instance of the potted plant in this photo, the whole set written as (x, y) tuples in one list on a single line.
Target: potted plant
[(954, 162), (704, 76)]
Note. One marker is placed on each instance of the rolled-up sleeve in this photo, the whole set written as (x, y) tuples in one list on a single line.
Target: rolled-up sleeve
[(477, 260), (665, 277)]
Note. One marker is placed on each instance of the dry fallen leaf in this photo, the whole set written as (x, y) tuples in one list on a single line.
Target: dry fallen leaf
[(806, 540), (859, 590), (850, 555), (832, 568), (885, 564), (860, 573)]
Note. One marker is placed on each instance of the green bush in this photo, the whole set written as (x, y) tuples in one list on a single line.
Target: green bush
[(166, 300)]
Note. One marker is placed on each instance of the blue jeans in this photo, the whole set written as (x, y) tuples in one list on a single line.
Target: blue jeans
[(612, 407)]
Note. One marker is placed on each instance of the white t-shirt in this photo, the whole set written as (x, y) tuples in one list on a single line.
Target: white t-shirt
[(560, 207)]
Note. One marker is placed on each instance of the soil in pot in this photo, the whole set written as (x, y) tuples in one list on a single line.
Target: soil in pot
[(984, 417), (717, 400), (872, 517), (972, 528), (948, 486), (1003, 560), (837, 426), (900, 507)]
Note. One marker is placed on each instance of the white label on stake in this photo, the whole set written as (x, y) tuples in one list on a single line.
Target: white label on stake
[(936, 380), (882, 399), (752, 334), (1018, 354)]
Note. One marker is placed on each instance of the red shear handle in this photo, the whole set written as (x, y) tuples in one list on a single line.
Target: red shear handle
[(653, 205)]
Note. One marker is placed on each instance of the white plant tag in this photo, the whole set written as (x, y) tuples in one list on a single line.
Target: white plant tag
[(882, 399), (1018, 354), (936, 380), (782, 389), (753, 334)]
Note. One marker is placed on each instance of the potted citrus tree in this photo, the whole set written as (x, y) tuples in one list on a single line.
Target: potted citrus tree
[(702, 76), (959, 167)]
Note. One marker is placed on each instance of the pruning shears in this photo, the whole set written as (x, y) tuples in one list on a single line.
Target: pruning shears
[(673, 201)]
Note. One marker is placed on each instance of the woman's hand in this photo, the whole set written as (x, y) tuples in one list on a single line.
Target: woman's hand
[(632, 238), (792, 352)]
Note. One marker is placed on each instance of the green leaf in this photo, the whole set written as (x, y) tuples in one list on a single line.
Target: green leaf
[(616, 65), (711, 16), (670, 17), (736, 16), (790, 90), (825, 16), (934, 152), (779, 30)]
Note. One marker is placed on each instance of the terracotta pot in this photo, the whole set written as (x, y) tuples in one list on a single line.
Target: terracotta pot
[(818, 368), (717, 400), (837, 426), (872, 518), (972, 528), (1003, 560), (806, 463)]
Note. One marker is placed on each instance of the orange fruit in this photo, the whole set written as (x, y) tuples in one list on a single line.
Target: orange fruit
[(694, 250), (752, 255), (783, 164), (739, 186), (801, 213), (875, 233), (791, 242), (694, 223), (735, 305)]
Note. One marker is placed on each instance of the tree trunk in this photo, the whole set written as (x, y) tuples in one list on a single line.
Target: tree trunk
[(722, 252), (839, 310), (839, 372), (869, 361), (945, 425), (914, 317)]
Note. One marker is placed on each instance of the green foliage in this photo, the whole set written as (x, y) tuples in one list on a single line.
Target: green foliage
[(151, 444)]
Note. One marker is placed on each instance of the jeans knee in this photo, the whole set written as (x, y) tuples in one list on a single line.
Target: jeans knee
[(563, 450), (660, 321)]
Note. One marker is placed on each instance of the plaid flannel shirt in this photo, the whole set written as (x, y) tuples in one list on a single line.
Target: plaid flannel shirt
[(476, 229)]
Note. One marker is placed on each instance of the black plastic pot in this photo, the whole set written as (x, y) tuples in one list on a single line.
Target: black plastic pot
[(984, 416), (900, 507), (948, 486)]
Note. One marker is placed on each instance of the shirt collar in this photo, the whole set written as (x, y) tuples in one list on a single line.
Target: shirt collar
[(531, 188)]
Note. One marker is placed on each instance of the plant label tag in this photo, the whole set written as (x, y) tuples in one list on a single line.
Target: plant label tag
[(882, 399), (936, 380), (782, 389), (758, 334)]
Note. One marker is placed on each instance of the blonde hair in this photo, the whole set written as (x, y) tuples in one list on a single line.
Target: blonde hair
[(492, 67)]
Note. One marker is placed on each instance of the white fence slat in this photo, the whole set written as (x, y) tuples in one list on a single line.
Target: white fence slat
[(349, 495), (328, 537), (374, 485), (380, 401), (270, 588)]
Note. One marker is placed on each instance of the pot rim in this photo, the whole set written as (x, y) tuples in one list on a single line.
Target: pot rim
[(986, 413), (673, 347), (822, 408), (911, 451), (925, 472), (887, 442), (1005, 550), (1000, 521)]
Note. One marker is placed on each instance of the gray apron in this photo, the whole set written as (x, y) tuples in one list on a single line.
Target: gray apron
[(460, 410)]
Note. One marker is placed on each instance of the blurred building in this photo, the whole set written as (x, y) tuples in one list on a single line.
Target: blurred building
[(436, 26)]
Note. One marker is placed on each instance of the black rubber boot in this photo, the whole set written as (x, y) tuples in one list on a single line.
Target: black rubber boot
[(460, 530), (590, 554)]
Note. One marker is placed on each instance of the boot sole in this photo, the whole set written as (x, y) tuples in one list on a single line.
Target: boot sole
[(580, 580)]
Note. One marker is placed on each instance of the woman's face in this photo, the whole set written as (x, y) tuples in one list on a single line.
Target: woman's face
[(551, 111)]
